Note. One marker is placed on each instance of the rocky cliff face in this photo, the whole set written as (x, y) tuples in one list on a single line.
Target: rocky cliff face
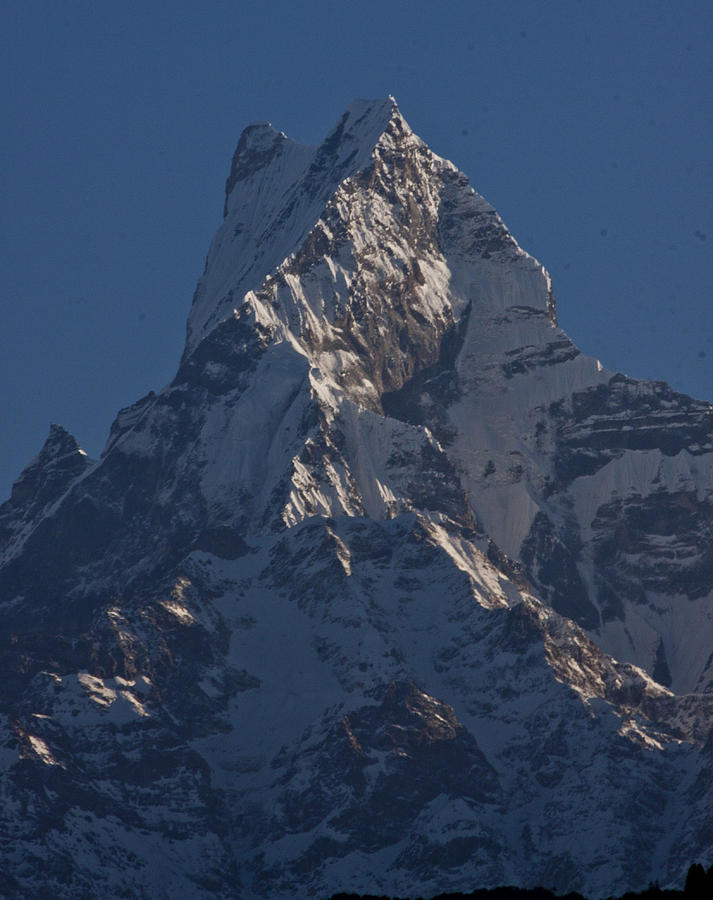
[(390, 589)]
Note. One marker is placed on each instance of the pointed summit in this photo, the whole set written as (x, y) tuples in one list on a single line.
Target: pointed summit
[(275, 194), (43, 480), (258, 144), (59, 443), (357, 132), (360, 126), (365, 121)]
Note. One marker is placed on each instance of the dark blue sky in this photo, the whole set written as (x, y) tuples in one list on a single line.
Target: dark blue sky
[(589, 126)]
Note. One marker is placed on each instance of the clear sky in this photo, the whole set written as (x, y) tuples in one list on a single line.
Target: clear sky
[(588, 125)]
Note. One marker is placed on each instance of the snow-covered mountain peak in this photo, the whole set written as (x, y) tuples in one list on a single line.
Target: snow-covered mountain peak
[(257, 146), (258, 133), (344, 590), (42, 483), (60, 450), (378, 264), (59, 443), (358, 129), (276, 193), (365, 121)]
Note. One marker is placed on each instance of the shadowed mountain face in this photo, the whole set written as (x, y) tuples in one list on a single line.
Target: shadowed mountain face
[(391, 589)]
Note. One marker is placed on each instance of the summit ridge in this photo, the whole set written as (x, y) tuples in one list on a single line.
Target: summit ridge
[(283, 187)]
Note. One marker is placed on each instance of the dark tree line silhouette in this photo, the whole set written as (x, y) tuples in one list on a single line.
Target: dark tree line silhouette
[(698, 886)]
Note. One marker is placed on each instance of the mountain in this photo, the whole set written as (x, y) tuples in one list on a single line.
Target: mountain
[(390, 590)]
